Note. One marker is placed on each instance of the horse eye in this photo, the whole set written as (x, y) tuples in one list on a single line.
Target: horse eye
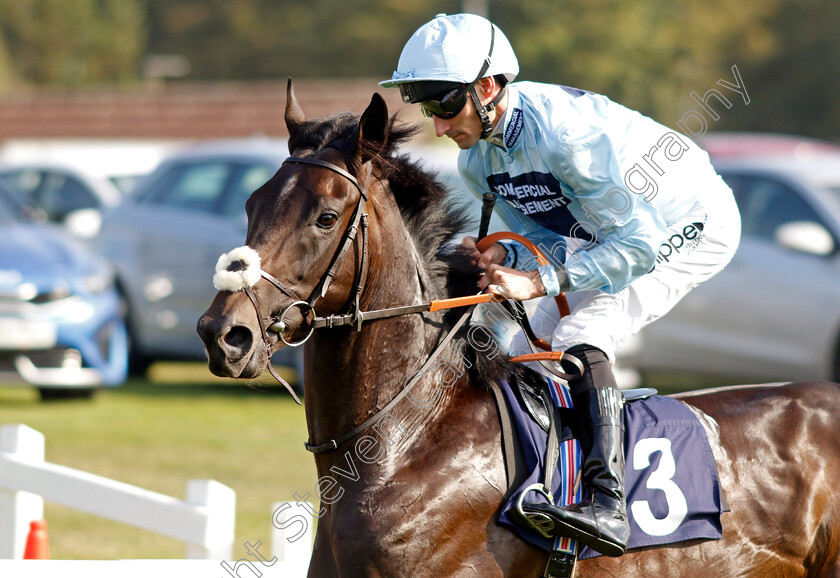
[(327, 220)]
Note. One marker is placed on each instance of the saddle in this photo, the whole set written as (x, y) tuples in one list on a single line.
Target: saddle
[(663, 430), (533, 390), (554, 446)]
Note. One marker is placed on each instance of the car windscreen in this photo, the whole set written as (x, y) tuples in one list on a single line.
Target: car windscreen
[(9, 209)]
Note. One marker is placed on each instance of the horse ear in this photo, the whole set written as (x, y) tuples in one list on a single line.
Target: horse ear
[(294, 114), (373, 128)]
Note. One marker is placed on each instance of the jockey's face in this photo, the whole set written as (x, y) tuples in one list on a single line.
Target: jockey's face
[(465, 127)]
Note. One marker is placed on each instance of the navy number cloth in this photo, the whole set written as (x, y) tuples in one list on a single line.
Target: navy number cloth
[(673, 491)]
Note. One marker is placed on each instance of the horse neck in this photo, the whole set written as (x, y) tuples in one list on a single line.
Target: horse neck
[(352, 375)]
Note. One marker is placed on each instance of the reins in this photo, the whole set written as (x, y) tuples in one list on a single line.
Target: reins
[(357, 317)]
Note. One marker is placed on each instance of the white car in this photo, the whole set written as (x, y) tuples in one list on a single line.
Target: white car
[(165, 237), (774, 312), (65, 194)]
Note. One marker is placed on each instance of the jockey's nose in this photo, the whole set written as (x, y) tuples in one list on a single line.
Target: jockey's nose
[(441, 125)]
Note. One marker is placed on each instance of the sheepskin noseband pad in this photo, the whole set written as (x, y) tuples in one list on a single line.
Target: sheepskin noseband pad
[(237, 269)]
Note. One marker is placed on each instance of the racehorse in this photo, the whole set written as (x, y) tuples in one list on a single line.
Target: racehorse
[(419, 491)]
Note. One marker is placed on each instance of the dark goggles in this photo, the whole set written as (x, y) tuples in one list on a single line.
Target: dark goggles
[(448, 105)]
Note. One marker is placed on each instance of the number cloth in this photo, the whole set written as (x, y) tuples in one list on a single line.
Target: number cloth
[(673, 490)]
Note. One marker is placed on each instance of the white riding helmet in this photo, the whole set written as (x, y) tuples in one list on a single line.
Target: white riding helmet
[(454, 49)]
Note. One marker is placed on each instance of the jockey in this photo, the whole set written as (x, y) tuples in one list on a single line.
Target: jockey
[(630, 213)]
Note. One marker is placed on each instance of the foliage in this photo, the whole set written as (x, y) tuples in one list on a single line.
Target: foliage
[(797, 79), (647, 54), (71, 43)]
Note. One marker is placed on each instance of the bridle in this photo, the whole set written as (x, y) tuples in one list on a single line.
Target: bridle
[(359, 222), (307, 306)]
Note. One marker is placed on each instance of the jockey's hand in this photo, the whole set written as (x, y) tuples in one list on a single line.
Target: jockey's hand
[(495, 253), (510, 283)]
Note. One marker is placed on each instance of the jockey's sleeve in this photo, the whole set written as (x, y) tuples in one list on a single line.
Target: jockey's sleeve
[(625, 242)]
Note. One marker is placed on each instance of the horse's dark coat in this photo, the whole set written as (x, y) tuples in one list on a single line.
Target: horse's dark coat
[(426, 506)]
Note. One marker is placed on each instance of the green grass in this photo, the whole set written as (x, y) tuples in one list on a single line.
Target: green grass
[(159, 434)]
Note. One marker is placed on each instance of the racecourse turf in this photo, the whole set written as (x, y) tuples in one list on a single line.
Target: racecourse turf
[(180, 424)]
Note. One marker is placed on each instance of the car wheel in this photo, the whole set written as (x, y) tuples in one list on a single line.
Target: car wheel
[(138, 363), (66, 393)]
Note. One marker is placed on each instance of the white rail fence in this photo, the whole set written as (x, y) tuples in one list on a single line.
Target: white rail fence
[(205, 521)]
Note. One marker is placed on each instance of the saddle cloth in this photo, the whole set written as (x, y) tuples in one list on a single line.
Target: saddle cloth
[(673, 491)]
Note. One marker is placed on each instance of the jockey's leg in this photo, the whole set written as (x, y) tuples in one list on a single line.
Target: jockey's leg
[(600, 521)]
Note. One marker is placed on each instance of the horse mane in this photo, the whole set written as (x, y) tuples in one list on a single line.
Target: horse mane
[(428, 211)]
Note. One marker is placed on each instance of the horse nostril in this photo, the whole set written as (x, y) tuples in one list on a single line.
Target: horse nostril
[(239, 338)]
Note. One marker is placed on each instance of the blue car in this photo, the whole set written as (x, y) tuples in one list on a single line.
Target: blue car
[(61, 323)]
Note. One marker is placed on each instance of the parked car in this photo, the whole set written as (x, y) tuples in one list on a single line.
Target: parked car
[(774, 312), (65, 194), (166, 236), (727, 145), (61, 324)]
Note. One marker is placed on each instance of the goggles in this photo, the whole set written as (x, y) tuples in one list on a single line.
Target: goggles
[(448, 105)]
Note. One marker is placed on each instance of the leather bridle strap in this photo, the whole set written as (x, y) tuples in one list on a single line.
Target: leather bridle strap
[(349, 236), (252, 296), (350, 232), (334, 443)]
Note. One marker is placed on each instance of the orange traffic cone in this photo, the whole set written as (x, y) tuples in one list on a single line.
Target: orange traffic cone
[(37, 543)]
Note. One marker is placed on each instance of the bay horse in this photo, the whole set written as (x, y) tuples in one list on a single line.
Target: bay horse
[(425, 501)]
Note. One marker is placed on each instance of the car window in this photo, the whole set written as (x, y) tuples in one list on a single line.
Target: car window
[(24, 183), (197, 187), (60, 195), (8, 209), (57, 194), (766, 204), (247, 180)]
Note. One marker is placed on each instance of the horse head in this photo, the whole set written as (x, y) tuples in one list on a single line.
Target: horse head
[(303, 248)]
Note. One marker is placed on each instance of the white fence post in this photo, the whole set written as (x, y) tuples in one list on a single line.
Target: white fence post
[(291, 536), (220, 502), (19, 508), (205, 521)]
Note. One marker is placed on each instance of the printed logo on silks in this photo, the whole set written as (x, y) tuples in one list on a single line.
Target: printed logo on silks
[(682, 242), (514, 127), (575, 92), (540, 196)]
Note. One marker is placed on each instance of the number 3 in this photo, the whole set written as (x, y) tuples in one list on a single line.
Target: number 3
[(660, 479)]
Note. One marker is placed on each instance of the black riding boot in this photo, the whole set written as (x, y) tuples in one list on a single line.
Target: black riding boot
[(600, 521)]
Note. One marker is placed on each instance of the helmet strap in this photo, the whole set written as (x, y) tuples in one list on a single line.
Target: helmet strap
[(483, 109)]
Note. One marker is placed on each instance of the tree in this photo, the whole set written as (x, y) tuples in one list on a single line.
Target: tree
[(649, 55), (56, 42), (797, 82)]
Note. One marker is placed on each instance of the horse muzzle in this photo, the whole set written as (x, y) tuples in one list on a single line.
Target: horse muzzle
[(231, 348)]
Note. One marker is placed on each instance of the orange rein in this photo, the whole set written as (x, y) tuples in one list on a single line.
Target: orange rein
[(562, 304)]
